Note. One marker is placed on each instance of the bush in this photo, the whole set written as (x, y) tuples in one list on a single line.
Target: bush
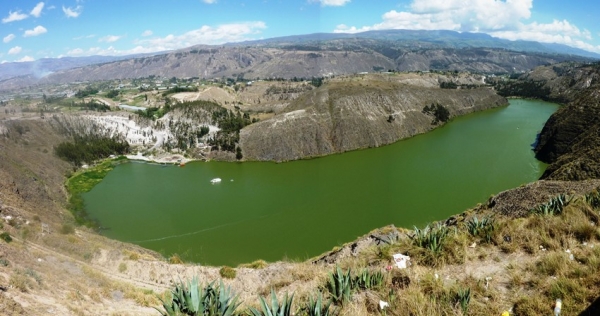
[(258, 264), (175, 259), (227, 272), (6, 237), (67, 229), (439, 112)]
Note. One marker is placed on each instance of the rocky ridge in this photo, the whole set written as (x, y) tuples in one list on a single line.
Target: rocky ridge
[(570, 140), (349, 114)]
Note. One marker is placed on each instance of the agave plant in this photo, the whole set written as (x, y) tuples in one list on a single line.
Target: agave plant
[(593, 199), (463, 297), (430, 237), (368, 279), (192, 299), (340, 286), (276, 309), (553, 207), (481, 228), (316, 307)]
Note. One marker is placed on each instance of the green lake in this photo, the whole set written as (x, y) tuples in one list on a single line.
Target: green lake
[(300, 209)]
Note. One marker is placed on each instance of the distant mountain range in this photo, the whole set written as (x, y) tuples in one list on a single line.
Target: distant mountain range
[(432, 39), (311, 55)]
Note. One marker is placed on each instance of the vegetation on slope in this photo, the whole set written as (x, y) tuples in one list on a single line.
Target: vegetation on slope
[(82, 182), (481, 264)]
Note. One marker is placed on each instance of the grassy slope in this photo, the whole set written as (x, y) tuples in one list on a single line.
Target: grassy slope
[(525, 265)]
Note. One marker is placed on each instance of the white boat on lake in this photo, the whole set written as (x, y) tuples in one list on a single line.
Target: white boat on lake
[(215, 180)]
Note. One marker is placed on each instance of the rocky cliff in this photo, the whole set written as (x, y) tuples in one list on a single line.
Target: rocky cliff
[(570, 140), (353, 114)]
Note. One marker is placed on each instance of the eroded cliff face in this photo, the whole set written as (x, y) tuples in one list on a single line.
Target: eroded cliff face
[(570, 140), (349, 115)]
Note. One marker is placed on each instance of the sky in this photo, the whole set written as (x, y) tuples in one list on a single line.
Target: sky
[(33, 29)]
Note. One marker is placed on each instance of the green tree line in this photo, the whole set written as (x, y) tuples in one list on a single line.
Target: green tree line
[(90, 148)]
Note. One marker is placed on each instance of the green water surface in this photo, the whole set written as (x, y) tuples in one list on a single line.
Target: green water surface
[(303, 208)]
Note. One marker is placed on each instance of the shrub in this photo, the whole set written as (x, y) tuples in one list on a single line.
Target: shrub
[(258, 264), (20, 281), (66, 229), (276, 309), (192, 299), (6, 237), (227, 272), (175, 259)]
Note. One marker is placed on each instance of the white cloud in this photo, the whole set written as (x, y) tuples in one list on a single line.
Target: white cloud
[(37, 10), (332, 3), (561, 32), (209, 1), (147, 33), (72, 12), (84, 36), (24, 59), (8, 38), (110, 38), (38, 30), (503, 19), (15, 50), (14, 16), (110, 51), (204, 35)]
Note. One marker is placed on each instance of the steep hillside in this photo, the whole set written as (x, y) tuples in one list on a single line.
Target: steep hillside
[(305, 59), (504, 254), (448, 48), (570, 140), (352, 113), (512, 260)]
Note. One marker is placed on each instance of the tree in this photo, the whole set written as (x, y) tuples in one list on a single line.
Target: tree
[(439, 112), (112, 93)]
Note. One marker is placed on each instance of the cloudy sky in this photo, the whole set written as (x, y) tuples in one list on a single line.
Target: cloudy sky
[(33, 29)]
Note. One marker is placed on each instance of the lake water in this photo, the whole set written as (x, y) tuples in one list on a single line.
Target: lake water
[(301, 209)]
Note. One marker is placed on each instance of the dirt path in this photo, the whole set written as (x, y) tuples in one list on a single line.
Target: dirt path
[(156, 287)]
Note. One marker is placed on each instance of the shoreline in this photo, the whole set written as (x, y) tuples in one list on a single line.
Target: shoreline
[(168, 158)]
